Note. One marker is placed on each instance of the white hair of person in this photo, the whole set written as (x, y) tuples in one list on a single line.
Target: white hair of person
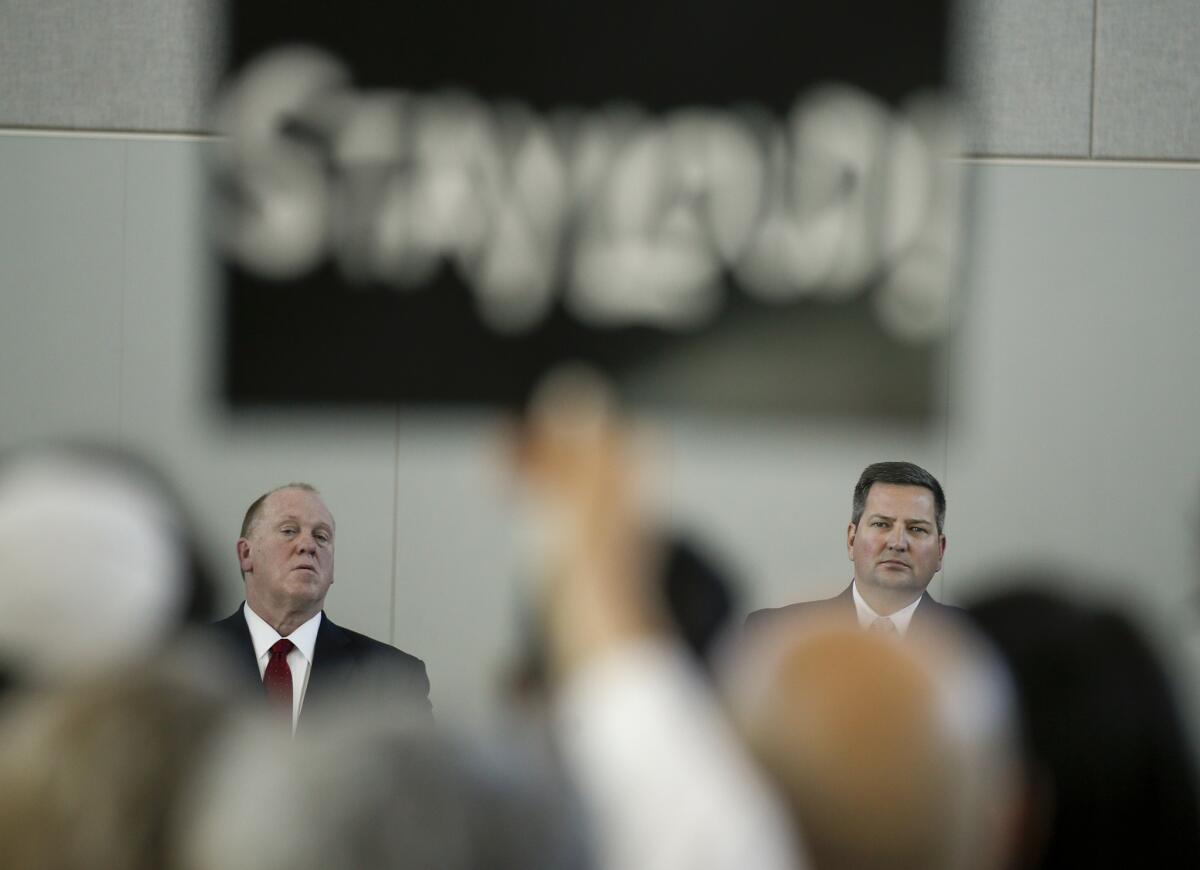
[(93, 565)]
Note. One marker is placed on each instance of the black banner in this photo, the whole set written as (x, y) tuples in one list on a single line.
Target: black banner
[(734, 207)]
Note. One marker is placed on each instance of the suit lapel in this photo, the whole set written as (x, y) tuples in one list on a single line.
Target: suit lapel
[(330, 659), (920, 615), (928, 613), (242, 659), (845, 604)]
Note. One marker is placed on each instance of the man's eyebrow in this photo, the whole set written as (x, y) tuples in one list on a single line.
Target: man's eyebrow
[(881, 517)]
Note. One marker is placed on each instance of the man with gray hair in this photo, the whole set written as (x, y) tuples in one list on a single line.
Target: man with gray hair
[(284, 643), (896, 541)]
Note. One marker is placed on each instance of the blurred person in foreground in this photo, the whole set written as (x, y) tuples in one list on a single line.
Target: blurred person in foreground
[(94, 773), (879, 754), (367, 789), (891, 756), (284, 646), (1112, 777), (896, 542), (663, 779), (100, 563)]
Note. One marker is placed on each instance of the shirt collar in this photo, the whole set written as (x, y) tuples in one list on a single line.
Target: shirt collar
[(264, 636), (866, 615)]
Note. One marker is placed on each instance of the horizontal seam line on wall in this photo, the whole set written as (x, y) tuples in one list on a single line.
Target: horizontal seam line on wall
[(107, 134), (1112, 162), (1028, 159)]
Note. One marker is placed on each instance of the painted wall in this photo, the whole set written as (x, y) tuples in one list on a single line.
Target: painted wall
[(1072, 430)]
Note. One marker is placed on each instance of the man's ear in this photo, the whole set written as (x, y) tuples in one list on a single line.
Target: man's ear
[(941, 550), (245, 563), (851, 530)]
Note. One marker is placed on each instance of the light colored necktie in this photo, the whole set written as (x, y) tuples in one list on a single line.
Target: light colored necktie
[(884, 625)]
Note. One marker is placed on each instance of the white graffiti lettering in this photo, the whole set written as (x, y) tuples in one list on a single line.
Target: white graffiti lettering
[(635, 219)]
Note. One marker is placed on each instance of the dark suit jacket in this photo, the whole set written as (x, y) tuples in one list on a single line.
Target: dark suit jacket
[(341, 658), (841, 608)]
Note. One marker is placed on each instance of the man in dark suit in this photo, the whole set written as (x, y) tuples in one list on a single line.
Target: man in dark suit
[(896, 543), (284, 645)]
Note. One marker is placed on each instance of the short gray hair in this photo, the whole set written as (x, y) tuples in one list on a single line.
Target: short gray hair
[(255, 508)]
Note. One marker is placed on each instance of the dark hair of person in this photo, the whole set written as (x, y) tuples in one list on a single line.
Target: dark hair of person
[(699, 596), (1112, 771), (900, 474)]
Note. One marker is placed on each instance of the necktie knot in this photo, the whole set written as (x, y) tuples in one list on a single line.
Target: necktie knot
[(281, 648), (884, 625)]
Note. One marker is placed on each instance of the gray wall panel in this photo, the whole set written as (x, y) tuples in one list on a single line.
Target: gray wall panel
[(1073, 429), (1148, 79), (224, 463), (123, 65), (459, 581), (1077, 417), (1025, 67), (61, 279)]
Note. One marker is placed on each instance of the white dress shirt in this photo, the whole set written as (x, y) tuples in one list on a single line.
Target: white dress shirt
[(901, 618), (304, 640), (663, 777)]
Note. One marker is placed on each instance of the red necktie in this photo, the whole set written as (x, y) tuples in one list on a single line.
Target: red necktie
[(278, 677)]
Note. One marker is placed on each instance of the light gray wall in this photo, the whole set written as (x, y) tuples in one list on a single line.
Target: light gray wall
[(1063, 78), (1072, 425), (1072, 431), (1074, 437), (107, 331)]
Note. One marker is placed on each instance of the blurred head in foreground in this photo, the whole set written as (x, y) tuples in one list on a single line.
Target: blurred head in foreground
[(364, 790), (890, 754), (698, 597), (1112, 777), (98, 562), (92, 773)]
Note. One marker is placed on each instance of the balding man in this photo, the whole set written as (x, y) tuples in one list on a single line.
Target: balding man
[(896, 542), (890, 756), (285, 645)]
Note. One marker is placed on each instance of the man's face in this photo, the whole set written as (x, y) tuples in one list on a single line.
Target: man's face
[(896, 544), (287, 558)]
